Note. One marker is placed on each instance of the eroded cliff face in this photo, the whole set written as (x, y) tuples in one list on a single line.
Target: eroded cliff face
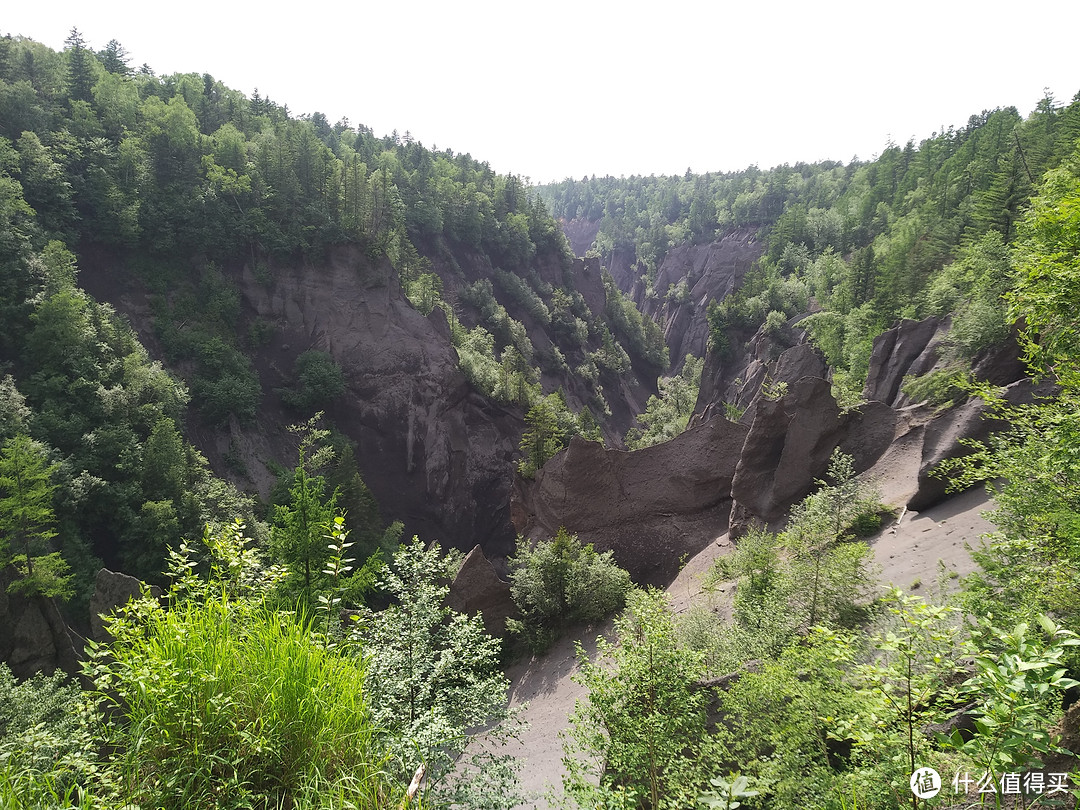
[(697, 274), (653, 505), (435, 454), (649, 506)]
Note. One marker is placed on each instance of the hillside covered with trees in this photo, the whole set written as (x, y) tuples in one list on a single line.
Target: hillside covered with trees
[(244, 355), (859, 245)]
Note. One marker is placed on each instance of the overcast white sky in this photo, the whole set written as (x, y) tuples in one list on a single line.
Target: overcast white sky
[(567, 88)]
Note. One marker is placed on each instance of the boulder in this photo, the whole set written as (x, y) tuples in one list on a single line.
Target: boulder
[(1002, 364), (802, 360), (478, 589), (111, 591)]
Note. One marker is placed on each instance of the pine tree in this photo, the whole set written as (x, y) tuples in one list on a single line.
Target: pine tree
[(543, 439), (26, 518), (80, 77), (114, 58), (299, 533)]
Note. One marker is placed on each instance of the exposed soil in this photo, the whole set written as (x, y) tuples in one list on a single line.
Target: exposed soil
[(910, 554)]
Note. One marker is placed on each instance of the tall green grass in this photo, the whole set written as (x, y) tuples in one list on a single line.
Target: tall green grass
[(229, 704)]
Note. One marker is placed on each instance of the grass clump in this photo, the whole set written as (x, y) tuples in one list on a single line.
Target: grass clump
[(227, 703)]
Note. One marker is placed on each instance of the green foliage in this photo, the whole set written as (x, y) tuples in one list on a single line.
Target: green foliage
[(779, 718), (977, 327), (506, 331), (1048, 287), (433, 675), (774, 322), (545, 436), (828, 570), (522, 293), (81, 384), (559, 582), (424, 292), (941, 388), (318, 382), (917, 655), (718, 319), (866, 524), (732, 412), (847, 342), (26, 518), (727, 792), (773, 390), (971, 289), (1017, 676), (666, 416), (642, 725), (298, 536), (229, 703), (46, 740), (899, 236), (1031, 565), (640, 335)]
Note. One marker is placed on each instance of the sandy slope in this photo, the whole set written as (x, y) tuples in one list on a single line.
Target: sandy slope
[(908, 554)]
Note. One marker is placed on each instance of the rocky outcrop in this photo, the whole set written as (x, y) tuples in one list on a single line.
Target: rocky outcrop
[(435, 454), (581, 233), (791, 428), (780, 357), (703, 273), (111, 591), (478, 589), (649, 506), (33, 634), (969, 420), (788, 445), (897, 352)]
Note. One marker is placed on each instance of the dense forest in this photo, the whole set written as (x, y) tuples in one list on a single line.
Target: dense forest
[(169, 184), (300, 651), (859, 245)]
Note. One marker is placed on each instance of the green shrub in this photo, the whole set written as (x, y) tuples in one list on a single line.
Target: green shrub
[(46, 744), (941, 388), (523, 294), (559, 582), (732, 412), (667, 415), (433, 675), (978, 326), (225, 384), (774, 322), (866, 524), (425, 292), (318, 382), (226, 703), (642, 728)]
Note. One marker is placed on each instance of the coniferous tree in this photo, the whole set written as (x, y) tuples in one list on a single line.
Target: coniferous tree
[(26, 518), (114, 58), (299, 533), (80, 75)]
